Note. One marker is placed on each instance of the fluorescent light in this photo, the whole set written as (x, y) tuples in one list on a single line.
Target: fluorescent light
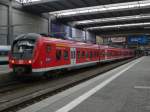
[(115, 19), (27, 1), (118, 26), (102, 9)]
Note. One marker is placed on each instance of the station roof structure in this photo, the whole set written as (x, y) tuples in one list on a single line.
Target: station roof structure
[(98, 16), (57, 5)]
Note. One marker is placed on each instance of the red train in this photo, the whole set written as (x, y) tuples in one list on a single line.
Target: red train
[(34, 53)]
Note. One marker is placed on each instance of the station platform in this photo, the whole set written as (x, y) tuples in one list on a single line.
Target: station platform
[(124, 89), (4, 69), (3, 60)]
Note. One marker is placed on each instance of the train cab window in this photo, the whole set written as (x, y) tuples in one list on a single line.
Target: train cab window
[(66, 55), (58, 54), (23, 49)]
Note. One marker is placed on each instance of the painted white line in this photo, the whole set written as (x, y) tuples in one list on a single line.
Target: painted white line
[(142, 87), (83, 97)]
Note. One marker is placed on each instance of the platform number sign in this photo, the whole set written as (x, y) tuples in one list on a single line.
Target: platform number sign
[(73, 56)]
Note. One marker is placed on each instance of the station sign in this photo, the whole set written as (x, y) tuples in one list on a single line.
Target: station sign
[(118, 39), (138, 39)]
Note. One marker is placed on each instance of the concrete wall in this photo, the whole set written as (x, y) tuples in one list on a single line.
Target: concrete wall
[(90, 37), (22, 22), (27, 23), (64, 31), (3, 24)]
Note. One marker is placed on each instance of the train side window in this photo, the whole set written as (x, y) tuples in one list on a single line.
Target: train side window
[(58, 54), (91, 54), (66, 55), (83, 54), (103, 54), (48, 48), (94, 53), (78, 54), (87, 55), (110, 54), (97, 54)]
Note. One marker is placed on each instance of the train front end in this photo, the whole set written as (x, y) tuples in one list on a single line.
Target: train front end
[(22, 54)]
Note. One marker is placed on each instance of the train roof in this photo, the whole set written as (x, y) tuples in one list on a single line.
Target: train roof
[(62, 42), (81, 44), (77, 44), (70, 43), (32, 36)]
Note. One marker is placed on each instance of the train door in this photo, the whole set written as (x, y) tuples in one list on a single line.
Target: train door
[(48, 55), (73, 56)]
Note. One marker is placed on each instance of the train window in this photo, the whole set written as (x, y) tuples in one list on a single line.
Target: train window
[(83, 54), (87, 55), (95, 54), (91, 54), (66, 55), (110, 54), (23, 49), (103, 54), (107, 54), (100, 54), (48, 48), (78, 54), (58, 54)]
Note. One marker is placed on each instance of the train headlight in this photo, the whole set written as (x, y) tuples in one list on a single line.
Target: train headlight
[(29, 61), (12, 61)]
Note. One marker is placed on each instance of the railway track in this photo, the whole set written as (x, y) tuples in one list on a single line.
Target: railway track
[(17, 96)]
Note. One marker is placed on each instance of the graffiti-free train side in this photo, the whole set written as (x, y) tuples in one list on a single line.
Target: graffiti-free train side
[(37, 54)]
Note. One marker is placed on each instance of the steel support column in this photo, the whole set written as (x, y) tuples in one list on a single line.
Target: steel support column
[(10, 30), (85, 35), (49, 25)]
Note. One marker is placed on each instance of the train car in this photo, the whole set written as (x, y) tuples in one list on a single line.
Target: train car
[(33, 53), (4, 52)]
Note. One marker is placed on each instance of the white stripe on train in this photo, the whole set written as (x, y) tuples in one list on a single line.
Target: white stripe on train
[(72, 65)]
